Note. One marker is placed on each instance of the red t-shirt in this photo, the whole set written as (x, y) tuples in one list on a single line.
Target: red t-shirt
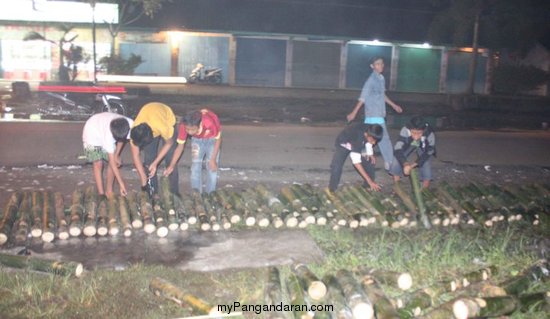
[(209, 128)]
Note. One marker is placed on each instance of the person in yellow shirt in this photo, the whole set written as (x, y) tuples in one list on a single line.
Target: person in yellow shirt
[(155, 123)]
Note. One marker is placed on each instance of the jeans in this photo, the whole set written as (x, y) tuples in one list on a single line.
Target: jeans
[(150, 153), (202, 149), (425, 170), (338, 160), (385, 146)]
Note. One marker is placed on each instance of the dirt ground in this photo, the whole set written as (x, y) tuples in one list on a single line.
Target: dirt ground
[(274, 139)]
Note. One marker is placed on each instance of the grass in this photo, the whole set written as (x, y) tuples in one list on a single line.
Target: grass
[(429, 255)]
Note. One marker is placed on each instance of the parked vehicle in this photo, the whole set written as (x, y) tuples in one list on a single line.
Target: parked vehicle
[(201, 74)]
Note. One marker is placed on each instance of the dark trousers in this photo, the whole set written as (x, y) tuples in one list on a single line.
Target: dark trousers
[(338, 160), (150, 152)]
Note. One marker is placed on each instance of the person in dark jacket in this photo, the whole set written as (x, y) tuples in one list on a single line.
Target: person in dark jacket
[(357, 141), (415, 138)]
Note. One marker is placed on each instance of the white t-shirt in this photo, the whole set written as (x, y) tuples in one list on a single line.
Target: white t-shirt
[(97, 131)]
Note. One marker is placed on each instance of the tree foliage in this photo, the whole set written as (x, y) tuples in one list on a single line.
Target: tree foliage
[(117, 65), (512, 79)]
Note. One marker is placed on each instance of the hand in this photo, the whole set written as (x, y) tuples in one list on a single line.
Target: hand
[(213, 165), (168, 170), (372, 159), (118, 161), (152, 169), (375, 187), (123, 191), (398, 109), (350, 117), (407, 168)]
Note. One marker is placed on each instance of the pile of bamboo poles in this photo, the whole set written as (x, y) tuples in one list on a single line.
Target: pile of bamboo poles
[(361, 293), (45, 215)]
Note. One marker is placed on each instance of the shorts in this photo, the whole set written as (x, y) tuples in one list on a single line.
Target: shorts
[(95, 153)]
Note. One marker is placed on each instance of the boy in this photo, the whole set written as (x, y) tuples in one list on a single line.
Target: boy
[(205, 130), (351, 141), (103, 137), (416, 137), (154, 122), (373, 96)]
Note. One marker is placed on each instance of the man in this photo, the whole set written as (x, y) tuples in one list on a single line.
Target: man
[(205, 130), (373, 96), (352, 141), (417, 137), (155, 123)]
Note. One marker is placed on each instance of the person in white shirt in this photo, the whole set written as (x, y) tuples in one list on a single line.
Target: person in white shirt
[(103, 138)]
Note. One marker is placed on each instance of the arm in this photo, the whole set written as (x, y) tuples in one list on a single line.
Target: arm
[(162, 153), (175, 158), (353, 113), (429, 151), (118, 150), (366, 177), (138, 164), (114, 166), (396, 107)]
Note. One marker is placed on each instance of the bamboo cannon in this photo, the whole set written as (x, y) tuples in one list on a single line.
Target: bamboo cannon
[(9, 216), (315, 288), (113, 212), (36, 212), (62, 226), (21, 225), (146, 210), (163, 288), (102, 216), (77, 209), (48, 218), (44, 265), (181, 213), (168, 204), (135, 215), (360, 305), (160, 219), (124, 217), (90, 215)]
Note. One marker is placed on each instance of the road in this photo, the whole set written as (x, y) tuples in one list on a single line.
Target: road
[(276, 145)]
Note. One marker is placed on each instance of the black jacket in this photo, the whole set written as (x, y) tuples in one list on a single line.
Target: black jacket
[(354, 135), (404, 146)]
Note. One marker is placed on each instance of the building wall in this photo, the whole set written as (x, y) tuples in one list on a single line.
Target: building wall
[(358, 63), (211, 51), (458, 72), (315, 64), (418, 69), (260, 62), (151, 54)]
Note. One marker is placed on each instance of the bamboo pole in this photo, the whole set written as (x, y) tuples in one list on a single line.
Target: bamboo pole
[(48, 225), (337, 299), (9, 216), (160, 219), (520, 283), (359, 303), (297, 298), (146, 210), (464, 308), (36, 210), (382, 305), (273, 291), (62, 226), (169, 204), (90, 214), (77, 209), (401, 280), (135, 214), (419, 201), (315, 288), (44, 265), (163, 288), (21, 226), (181, 213), (124, 217), (113, 210), (102, 216)]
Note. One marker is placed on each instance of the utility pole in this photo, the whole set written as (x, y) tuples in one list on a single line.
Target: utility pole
[(92, 3)]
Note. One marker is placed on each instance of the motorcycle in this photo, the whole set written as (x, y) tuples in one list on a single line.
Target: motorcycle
[(52, 103), (201, 74)]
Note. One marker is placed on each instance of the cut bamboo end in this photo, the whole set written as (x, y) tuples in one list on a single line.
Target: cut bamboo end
[(184, 226), (322, 221), (173, 226), (137, 224), (278, 223), (75, 231), (216, 227), (205, 227), (363, 311), (36, 233), (102, 231), (404, 281), (149, 228), (89, 231), (127, 232), (3, 239), (193, 220), (264, 222), (235, 219), (395, 225), (310, 219), (113, 231), (63, 235), (461, 309), (250, 221), (291, 222), (162, 232), (353, 224), (317, 290), (404, 221), (79, 270), (48, 237), (226, 225)]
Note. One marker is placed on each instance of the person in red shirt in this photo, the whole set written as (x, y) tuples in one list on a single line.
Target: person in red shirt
[(205, 130)]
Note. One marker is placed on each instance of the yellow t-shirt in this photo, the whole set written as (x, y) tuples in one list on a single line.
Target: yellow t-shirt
[(159, 117)]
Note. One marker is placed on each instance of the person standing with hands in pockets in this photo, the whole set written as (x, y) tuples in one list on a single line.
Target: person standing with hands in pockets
[(373, 96)]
